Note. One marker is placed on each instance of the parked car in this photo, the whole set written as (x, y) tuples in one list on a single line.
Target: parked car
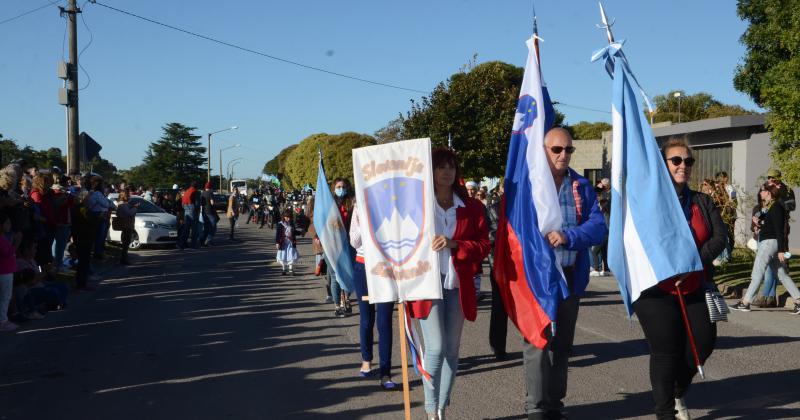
[(152, 225), (221, 202)]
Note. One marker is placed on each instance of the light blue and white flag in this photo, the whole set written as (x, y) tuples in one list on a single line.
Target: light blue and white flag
[(332, 232), (649, 238)]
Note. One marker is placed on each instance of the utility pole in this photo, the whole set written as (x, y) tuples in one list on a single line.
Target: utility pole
[(71, 94)]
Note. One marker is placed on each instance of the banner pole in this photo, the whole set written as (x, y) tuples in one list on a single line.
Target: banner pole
[(401, 319)]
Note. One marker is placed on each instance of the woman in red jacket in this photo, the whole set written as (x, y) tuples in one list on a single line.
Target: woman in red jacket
[(462, 240)]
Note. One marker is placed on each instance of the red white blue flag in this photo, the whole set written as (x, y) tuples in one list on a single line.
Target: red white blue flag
[(527, 270)]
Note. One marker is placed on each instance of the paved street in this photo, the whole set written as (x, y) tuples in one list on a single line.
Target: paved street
[(219, 333)]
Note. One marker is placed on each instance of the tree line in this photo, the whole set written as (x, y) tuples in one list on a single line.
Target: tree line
[(52, 157), (472, 110)]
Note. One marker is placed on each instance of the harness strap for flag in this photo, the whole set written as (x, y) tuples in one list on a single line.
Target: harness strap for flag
[(578, 206)]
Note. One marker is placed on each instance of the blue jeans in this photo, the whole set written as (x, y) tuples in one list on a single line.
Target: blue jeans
[(367, 324), (334, 285), (336, 288), (60, 244), (441, 332), (100, 238), (209, 229), (766, 257), (770, 287), (192, 223)]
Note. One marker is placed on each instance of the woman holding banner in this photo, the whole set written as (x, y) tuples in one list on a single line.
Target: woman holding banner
[(367, 314), (672, 363), (462, 240)]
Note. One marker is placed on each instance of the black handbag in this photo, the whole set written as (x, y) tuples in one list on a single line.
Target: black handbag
[(122, 223)]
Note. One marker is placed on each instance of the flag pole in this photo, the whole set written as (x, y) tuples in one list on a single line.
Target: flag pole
[(401, 318), (539, 63), (690, 334)]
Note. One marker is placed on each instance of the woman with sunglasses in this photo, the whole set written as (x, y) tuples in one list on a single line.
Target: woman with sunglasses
[(769, 222), (658, 309)]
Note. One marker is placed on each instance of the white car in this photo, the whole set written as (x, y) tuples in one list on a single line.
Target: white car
[(152, 225)]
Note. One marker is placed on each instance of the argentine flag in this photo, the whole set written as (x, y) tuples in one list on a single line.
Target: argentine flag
[(649, 239), (332, 232)]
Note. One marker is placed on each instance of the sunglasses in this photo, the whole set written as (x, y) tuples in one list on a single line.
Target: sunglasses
[(558, 149), (677, 160)]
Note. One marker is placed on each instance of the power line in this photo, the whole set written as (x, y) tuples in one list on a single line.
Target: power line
[(262, 54), (581, 107), (49, 3), (80, 53)]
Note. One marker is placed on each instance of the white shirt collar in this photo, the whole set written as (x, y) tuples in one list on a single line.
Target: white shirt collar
[(457, 202)]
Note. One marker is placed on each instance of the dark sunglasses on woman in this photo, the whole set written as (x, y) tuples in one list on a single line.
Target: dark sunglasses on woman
[(677, 160)]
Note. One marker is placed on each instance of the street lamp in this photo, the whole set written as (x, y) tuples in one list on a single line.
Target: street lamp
[(220, 162), (228, 167), (208, 176), (234, 163), (678, 95)]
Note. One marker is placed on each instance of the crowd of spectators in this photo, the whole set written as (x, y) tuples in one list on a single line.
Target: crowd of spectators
[(51, 223)]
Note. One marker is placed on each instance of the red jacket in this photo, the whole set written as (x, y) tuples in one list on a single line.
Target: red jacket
[(472, 236)]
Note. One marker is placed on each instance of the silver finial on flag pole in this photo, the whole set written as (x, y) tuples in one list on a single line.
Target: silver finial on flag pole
[(605, 25)]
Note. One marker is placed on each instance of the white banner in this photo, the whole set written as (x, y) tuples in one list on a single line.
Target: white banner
[(394, 194)]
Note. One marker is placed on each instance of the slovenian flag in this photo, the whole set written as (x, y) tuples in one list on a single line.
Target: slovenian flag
[(527, 270), (332, 232), (649, 239), (415, 344)]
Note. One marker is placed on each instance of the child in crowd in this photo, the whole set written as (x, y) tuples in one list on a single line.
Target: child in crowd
[(51, 295), (286, 242)]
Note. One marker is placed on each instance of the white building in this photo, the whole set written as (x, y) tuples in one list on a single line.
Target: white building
[(738, 145)]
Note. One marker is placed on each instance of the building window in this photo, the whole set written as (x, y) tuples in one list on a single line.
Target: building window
[(710, 161)]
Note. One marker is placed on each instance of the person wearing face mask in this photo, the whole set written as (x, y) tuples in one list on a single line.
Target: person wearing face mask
[(343, 196)]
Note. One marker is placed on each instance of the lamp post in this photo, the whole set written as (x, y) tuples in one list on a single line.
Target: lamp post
[(228, 167), (678, 95), (234, 163), (220, 162), (208, 151)]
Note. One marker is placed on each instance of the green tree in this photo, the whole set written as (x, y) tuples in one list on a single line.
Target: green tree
[(277, 166), (476, 107), (50, 158), (105, 169), (392, 132), (770, 74), (176, 158), (585, 130), (302, 163), (8, 151), (692, 107)]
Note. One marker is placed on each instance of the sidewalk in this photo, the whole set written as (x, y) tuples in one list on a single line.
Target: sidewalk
[(778, 321)]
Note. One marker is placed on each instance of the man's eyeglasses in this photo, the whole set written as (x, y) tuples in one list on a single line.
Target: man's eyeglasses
[(558, 149), (677, 160)]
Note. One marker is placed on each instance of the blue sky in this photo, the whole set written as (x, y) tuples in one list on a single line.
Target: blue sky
[(144, 76)]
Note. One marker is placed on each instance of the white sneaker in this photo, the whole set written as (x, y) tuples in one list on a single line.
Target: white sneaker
[(594, 274), (8, 326), (682, 413)]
